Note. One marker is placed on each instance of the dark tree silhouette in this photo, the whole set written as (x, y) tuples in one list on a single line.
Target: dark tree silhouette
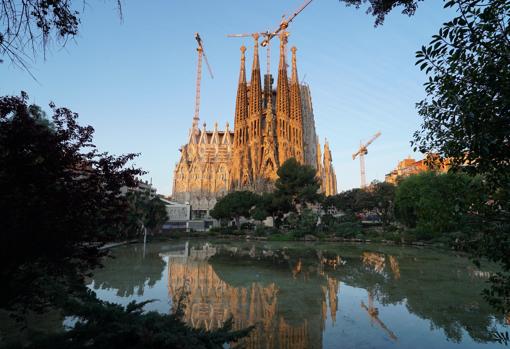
[(380, 8), (58, 196), (27, 27), (59, 201)]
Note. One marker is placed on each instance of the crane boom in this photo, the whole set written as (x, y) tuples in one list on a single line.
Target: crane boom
[(268, 35), (207, 64), (373, 139), (362, 151), (363, 148), (285, 21)]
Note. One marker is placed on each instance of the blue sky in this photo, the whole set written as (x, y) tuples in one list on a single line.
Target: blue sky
[(134, 82)]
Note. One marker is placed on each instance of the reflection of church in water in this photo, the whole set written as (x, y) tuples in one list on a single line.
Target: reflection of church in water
[(210, 301)]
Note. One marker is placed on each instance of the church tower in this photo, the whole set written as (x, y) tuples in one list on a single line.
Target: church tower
[(269, 164), (283, 104), (296, 116), (329, 187), (241, 173), (255, 112)]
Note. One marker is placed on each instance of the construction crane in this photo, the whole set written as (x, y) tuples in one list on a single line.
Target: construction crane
[(373, 313), (362, 151), (201, 53), (268, 35)]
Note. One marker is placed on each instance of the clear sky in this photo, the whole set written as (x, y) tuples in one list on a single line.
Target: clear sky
[(134, 82)]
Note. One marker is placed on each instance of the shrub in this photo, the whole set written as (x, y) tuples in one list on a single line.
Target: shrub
[(347, 229)]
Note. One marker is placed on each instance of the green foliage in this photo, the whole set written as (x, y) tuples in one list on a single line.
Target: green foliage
[(467, 116), (235, 205), (262, 230), (281, 237), (378, 198), (144, 211), (297, 183), (28, 26), (467, 109), (435, 204), (107, 325), (303, 223), (59, 201), (296, 187), (380, 8), (346, 226), (383, 199), (272, 205), (56, 192), (347, 229)]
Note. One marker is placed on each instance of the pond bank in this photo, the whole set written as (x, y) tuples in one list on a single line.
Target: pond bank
[(118, 243), (287, 238)]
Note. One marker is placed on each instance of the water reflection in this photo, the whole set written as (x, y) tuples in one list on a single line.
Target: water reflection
[(210, 300), (129, 272), (314, 296)]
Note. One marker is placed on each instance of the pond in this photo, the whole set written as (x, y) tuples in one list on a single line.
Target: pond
[(311, 295)]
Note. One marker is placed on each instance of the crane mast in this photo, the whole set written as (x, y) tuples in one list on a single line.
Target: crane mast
[(201, 54), (362, 169), (362, 151)]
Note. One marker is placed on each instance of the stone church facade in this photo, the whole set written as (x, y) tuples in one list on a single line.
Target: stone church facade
[(270, 126)]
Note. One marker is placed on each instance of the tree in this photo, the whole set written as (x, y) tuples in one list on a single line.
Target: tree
[(380, 8), (297, 183), (59, 201), (344, 201), (378, 198), (467, 116), (144, 212), (383, 199), (436, 204), (467, 109), (27, 26), (56, 192), (303, 223), (272, 205), (235, 205)]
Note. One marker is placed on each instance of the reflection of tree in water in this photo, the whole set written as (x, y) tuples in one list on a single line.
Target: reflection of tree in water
[(439, 287), (129, 272), (434, 286)]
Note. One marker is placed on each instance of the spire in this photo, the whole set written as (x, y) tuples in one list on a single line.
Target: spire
[(282, 105), (269, 116), (241, 100), (226, 135), (296, 113), (319, 159), (282, 91), (327, 152), (329, 182), (215, 139), (295, 96), (269, 164), (203, 135), (255, 103)]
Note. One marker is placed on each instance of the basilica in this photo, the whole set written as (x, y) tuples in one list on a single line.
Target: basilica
[(270, 126)]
